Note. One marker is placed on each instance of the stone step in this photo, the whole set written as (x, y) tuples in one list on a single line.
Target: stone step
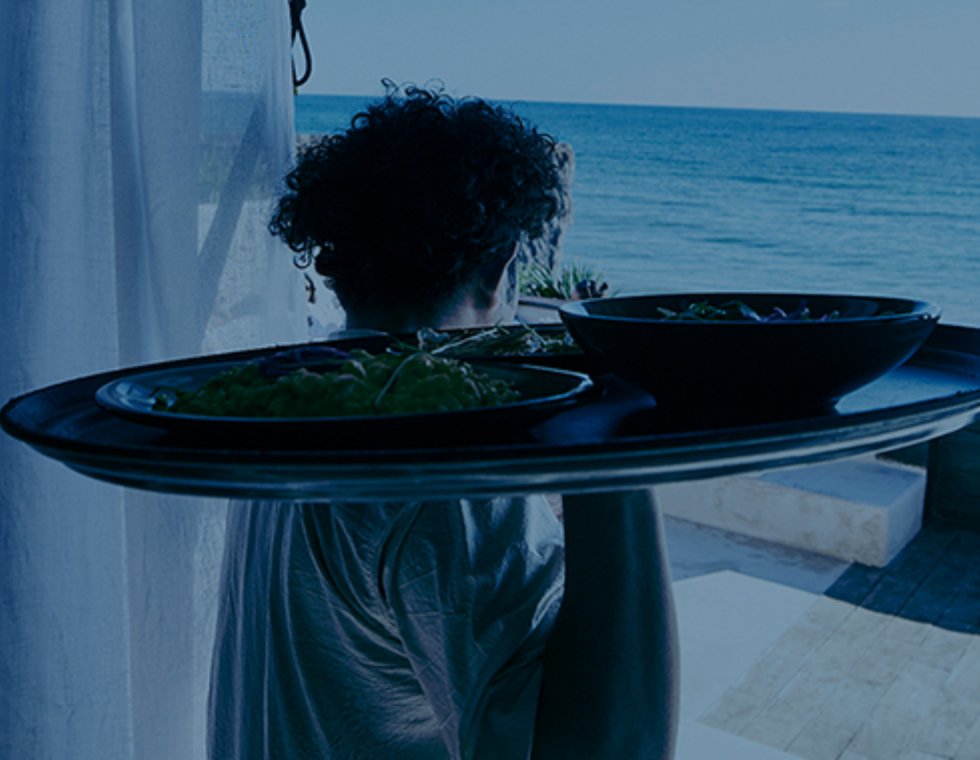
[(862, 509)]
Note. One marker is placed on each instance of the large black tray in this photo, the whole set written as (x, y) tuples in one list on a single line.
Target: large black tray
[(616, 441)]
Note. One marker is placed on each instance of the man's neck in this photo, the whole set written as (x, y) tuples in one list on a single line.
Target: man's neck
[(466, 313)]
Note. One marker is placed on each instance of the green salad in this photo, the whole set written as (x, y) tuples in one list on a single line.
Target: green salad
[(359, 384), (739, 311), (501, 340)]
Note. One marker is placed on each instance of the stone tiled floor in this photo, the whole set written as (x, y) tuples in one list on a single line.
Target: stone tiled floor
[(935, 580), (885, 665)]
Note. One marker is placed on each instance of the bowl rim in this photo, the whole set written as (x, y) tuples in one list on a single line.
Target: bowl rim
[(921, 310)]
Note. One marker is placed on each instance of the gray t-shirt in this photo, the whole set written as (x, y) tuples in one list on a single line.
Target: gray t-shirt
[(384, 631)]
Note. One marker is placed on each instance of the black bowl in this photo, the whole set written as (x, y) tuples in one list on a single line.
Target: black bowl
[(742, 370)]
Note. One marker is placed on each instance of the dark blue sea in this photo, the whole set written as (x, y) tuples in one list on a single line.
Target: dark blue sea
[(685, 199)]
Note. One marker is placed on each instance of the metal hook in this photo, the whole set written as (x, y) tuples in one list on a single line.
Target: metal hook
[(296, 8)]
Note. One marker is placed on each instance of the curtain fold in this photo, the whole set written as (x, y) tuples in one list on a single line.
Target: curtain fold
[(155, 116), (143, 146)]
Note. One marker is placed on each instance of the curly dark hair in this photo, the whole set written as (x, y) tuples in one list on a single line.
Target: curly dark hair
[(400, 210)]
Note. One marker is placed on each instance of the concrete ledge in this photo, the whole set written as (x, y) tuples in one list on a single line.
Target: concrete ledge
[(859, 510)]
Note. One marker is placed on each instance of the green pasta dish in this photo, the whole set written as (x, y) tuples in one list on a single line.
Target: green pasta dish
[(340, 384)]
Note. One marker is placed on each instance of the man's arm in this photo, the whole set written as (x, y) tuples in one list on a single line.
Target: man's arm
[(610, 684)]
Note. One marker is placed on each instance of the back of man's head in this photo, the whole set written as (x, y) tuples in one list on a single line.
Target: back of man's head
[(404, 207)]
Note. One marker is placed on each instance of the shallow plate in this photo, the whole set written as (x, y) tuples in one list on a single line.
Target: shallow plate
[(544, 392)]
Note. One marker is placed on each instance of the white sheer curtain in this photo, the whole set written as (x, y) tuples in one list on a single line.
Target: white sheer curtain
[(140, 145)]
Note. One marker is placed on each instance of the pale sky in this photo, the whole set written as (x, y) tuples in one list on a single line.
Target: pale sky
[(876, 56)]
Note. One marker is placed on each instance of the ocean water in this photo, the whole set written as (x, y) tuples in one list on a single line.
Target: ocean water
[(683, 199)]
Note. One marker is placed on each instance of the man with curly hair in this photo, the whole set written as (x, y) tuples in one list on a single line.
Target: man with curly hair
[(477, 628), (413, 214)]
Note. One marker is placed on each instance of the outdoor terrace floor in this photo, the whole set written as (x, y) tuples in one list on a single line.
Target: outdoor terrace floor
[(789, 655)]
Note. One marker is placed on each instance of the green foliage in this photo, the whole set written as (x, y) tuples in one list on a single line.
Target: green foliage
[(577, 281)]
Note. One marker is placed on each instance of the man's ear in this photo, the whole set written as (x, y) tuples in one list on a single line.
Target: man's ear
[(489, 277)]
